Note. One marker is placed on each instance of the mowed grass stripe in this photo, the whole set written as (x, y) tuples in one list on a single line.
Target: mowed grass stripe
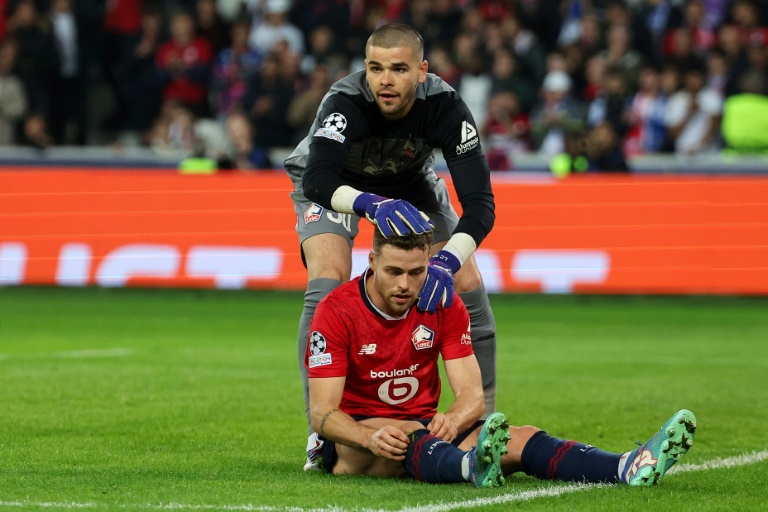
[(545, 492), (206, 409)]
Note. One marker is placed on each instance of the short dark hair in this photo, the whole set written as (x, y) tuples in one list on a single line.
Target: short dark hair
[(395, 35), (406, 242)]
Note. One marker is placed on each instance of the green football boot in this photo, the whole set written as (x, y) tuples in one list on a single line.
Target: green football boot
[(485, 458), (647, 464)]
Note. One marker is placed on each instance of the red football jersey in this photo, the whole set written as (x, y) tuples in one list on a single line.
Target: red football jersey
[(390, 365)]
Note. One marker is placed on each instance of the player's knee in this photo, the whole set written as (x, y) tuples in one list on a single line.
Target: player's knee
[(410, 426), (327, 257), (519, 438)]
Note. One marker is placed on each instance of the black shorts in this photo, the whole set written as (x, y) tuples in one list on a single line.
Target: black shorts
[(329, 457)]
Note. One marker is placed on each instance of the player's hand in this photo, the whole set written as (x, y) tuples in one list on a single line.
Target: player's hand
[(389, 442), (443, 427), (392, 215), (438, 286)]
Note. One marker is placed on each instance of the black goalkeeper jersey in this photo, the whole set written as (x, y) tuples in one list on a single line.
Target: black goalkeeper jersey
[(351, 143)]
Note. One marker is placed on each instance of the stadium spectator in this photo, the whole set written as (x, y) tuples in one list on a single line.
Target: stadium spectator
[(647, 132), (701, 34), (475, 86), (681, 51), (612, 103), (505, 76), (36, 58), (245, 156), (364, 427), (556, 114), (590, 40), (594, 77), (506, 130), (138, 89), (527, 47), (183, 65), (275, 28), (67, 118), (233, 68), (13, 99), (35, 132), (303, 107), (375, 132), (619, 54), (730, 43), (717, 71), (121, 26), (265, 102), (604, 152), (324, 49), (173, 132), (442, 64), (651, 23), (746, 15), (209, 25), (693, 116)]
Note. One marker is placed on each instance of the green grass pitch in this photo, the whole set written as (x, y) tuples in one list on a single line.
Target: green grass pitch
[(190, 400)]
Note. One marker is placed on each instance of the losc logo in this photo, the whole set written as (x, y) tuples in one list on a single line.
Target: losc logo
[(397, 391), (313, 213), (423, 338)]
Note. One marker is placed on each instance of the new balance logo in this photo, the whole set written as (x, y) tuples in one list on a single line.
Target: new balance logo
[(467, 132), (367, 349)]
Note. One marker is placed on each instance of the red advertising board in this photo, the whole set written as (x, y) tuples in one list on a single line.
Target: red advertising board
[(591, 234)]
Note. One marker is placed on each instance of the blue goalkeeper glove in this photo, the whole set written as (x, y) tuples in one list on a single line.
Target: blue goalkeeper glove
[(391, 215), (438, 286)]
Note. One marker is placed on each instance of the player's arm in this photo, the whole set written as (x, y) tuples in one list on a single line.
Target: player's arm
[(457, 136), (467, 386), (339, 123), (332, 423)]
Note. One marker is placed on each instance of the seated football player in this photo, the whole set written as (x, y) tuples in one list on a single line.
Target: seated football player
[(374, 385)]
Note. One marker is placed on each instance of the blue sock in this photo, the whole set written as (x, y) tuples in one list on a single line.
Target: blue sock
[(432, 460), (549, 458)]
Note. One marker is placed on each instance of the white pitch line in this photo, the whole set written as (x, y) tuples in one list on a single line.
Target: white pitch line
[(545, 492), (69, 354)]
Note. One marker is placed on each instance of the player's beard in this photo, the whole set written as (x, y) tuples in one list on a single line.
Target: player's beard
[(398, 307), (388, 296), (398, 108)]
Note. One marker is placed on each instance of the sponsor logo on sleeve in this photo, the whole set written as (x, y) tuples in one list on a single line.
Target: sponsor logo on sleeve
[(332, 126), (423, 338), (469, 139), (466, 338), (320, 360)]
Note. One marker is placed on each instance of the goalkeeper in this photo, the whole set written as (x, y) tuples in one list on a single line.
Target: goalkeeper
[(369, 154)]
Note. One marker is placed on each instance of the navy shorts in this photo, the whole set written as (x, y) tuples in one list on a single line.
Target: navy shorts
[(329, 457)]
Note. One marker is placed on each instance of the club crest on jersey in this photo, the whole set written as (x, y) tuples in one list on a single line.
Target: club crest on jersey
[(332, 126), (313, 213), (423, 338), (469, 139)]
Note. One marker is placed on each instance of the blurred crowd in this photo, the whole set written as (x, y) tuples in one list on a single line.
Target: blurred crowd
[(586, 82)]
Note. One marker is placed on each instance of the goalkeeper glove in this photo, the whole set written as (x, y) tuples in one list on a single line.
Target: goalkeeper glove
[(438, 286), (391, 215)]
